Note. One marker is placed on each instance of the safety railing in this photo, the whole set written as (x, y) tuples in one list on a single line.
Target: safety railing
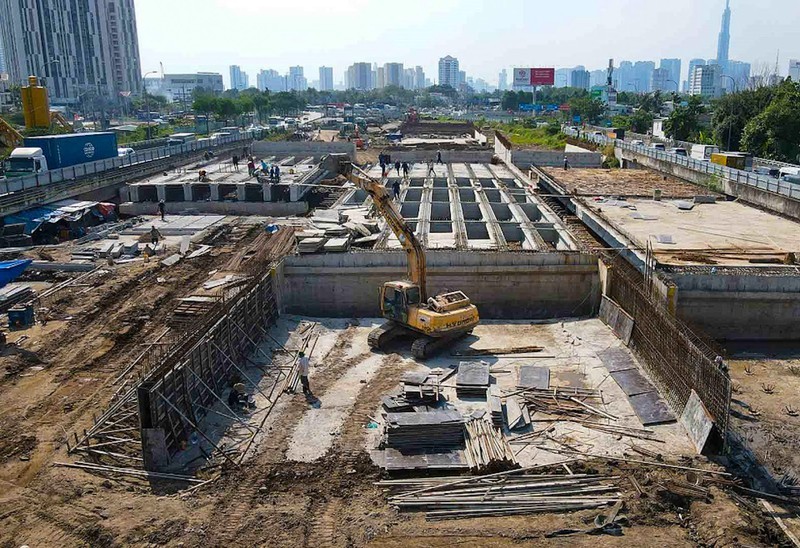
[(18, 184), (755, 180)]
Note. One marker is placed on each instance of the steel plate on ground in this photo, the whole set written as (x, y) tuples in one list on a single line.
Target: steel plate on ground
[(651, 409), (616, 359), (632, 382), (531, 376)]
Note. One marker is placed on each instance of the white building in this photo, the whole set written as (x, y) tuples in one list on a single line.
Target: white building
[(502, 80), (270, 80), (180, 87), (326, 78), (295, 80), (239, 78), (448, 72), (2, 57), (393, 74), (74, 46), (419, 77), (794, 70), (705, 80)]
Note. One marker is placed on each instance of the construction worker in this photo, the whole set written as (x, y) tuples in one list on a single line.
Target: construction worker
[(397, 167), (396, 189), (430, 168), (162, 208), (405, 170), (251, 167), (566, 163), (303, 370), (155, 235), (439, 157), (235, 162)]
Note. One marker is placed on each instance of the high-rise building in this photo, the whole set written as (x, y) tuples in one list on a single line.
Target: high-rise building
[(705, 80), (326, 78), (580, 79), (270, 80), (660, 80), (642, 74), (393, 74), (673, 66), (740, 72), (623, 77), (239, 79), (794, 70), (462, 78), (295, 80), (74, 46), (419, 77), (448, 72), (2, 56), (724, 41), (598, 78), (180, 87), (359, 76), (562, 77), (502, 80), (408, 78)]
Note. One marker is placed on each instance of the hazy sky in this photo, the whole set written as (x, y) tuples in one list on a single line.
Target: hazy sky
[(486, 36)]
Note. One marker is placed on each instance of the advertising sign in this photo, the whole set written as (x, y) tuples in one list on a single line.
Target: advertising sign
[(564, 107), (525, 107), (534, 76)]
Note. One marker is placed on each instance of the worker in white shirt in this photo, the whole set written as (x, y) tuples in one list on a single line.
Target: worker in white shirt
[(303, 371)]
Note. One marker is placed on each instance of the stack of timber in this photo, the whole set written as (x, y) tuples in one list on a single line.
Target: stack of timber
[(420, 386), (487, 447), (500, 494), (495, 406), (565, 402), (472, 380), (517, 416), (429, 430)]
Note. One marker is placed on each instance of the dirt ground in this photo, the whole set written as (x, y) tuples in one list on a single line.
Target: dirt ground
[(623, 182), (52, 382)]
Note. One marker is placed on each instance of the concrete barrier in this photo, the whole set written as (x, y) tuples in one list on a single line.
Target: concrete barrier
[(221, 208), (448, 156), (503, 285), (302, 148), (546, 158)]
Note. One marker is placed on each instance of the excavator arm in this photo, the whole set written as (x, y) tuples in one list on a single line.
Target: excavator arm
[(341, 165)]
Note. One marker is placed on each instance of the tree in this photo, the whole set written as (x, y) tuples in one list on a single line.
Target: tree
[(684, 122), (588, 108), (733, 111), (205, 104), (641, 121), (775, 132)]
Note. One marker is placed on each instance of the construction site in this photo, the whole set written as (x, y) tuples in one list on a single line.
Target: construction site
[(486, 349)]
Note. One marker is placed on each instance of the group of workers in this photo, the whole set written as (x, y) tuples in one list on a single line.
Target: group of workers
[(272, 171)]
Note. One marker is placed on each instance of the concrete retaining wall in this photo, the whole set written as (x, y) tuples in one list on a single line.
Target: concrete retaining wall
[(741, 307), (220, 208), (546, 158), (502, 285), (302, 148), (448, 156)]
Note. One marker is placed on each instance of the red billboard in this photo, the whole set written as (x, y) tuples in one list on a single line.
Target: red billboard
[(543, 76)]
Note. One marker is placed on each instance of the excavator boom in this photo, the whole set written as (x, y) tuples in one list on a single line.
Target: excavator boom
[(343, 166)]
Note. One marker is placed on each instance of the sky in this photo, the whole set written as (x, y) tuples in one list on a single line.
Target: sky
[(486, 36)]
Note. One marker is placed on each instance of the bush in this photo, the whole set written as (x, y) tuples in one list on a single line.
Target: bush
[(610, 160)]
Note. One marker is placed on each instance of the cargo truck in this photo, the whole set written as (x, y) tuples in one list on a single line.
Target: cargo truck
[(47, 152), (733, 160)]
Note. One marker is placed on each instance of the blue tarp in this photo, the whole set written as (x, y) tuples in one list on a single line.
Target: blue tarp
[(10, 270), (33, 218)]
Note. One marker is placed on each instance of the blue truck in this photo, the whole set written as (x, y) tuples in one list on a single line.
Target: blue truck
[(48, 152)]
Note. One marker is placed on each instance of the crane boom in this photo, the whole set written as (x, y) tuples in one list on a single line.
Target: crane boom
[(417, 272)]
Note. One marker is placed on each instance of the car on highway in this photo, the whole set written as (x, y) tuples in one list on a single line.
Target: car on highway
[(678, 151), (658, 146), (125, 151), (637, 143)]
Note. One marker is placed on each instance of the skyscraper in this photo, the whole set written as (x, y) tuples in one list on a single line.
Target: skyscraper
[(502, 80), (393, 74), (740, 72), (326, 78), (239, 79), (296, 81), (448, 71), (660, 80), (580, 78), (419, 78), (673, 67), (359, 76), (270, 80), (704, 80), (93, 46), (724, 42), (794, 69), (2, 56)]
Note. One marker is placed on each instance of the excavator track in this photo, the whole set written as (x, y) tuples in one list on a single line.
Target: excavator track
[(380, 336), (425, 347)]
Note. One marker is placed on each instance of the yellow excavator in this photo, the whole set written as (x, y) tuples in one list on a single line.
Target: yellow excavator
[(433, 322)]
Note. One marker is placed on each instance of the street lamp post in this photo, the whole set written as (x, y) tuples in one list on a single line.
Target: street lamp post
[(146, 100), (730, 122)]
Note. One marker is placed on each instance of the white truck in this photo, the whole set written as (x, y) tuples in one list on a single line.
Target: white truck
[(25, 161), (703, 152)]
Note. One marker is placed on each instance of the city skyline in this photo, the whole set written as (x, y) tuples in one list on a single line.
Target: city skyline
[(696, 36)]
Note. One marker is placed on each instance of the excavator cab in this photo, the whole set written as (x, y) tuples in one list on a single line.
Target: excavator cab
[(397, 298)]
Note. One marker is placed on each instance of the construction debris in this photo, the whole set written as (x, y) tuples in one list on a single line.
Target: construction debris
[(497, 351), (493, 495), (472, 380), (487, 447)]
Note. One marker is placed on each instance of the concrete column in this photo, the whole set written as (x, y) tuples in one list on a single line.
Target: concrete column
[(133, 193), (187, 192), (267, 190), (161, 192), (214, 192), (241, 195)]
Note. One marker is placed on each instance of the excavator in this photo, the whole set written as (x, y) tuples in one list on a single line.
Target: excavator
[(433, 322)]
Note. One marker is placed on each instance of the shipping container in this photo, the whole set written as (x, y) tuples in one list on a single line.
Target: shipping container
[(75, 148), (733, 160)]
